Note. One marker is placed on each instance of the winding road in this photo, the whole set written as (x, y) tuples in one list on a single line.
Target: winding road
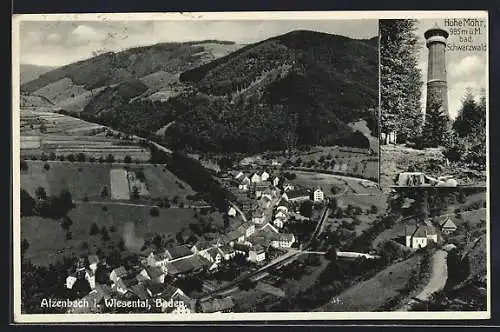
[(437, 281)]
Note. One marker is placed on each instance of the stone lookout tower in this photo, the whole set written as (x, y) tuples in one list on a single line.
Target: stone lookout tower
[(436, 72)]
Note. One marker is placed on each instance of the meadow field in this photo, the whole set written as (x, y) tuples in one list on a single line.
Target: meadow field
[(47, 239), (88, 179), (371, 294)]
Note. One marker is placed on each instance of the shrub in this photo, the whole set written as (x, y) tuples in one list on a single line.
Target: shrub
[(93, 229), (24, 165), (154, 212)]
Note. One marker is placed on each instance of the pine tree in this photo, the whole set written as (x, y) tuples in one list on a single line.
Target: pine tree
[(436, 126), (400, 79), (469, 116)]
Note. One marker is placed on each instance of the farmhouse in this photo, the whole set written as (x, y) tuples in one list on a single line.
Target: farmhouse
[(157, 258), (153, 273), (283, 205), (419, 236)]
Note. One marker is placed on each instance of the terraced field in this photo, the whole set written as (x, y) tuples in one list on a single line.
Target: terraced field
[(48, 132)]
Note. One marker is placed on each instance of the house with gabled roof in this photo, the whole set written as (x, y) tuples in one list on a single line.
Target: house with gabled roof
[(175, 301), (276, 181), (201, 245), (231, 212), (178, 252), (259, 188), (318, 195), (119, 287), (258, 216), (158, 258), (419, 236), (71, 280), (227, 252), (225, 304), (117, 273), (279, 222), (282, 205), (280, 215), (447, 225), (255, 178), (264, 176), (283, 240), (140, 291), (257, 254), (93, 261), (153, 273)]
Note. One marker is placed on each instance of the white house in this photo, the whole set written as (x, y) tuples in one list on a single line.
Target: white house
[(117, 274), (239, 175), (283, 241), (278, 223), (119, 287), (258, 217), (231, 212), (280, 215), (153, 273), (158, 258), (70, 281), (264, 176), (90, 277), (419, 236), (276, 181), (318, 195), (227, 252), (282, 206), (93, 261), (255, 178), (448, 226)]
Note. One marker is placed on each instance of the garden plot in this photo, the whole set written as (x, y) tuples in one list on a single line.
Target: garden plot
[(119, 184)]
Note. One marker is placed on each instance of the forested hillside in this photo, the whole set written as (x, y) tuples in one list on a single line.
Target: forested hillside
[(301, 88)]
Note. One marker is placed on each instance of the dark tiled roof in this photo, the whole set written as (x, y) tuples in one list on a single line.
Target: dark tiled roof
[(120, 271), (179, 251), (215, 305)]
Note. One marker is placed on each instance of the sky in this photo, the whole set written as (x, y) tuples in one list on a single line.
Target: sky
[(57, 43), (465, 69)]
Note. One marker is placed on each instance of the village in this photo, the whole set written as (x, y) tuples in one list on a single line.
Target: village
[(258, 216)]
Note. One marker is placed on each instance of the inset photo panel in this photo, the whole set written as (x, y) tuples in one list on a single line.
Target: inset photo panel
[(434, 101)]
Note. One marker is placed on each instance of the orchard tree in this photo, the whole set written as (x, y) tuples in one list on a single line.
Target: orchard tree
[(400, 78)]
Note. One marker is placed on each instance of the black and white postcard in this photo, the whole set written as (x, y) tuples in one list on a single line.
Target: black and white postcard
[(250, 166)]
